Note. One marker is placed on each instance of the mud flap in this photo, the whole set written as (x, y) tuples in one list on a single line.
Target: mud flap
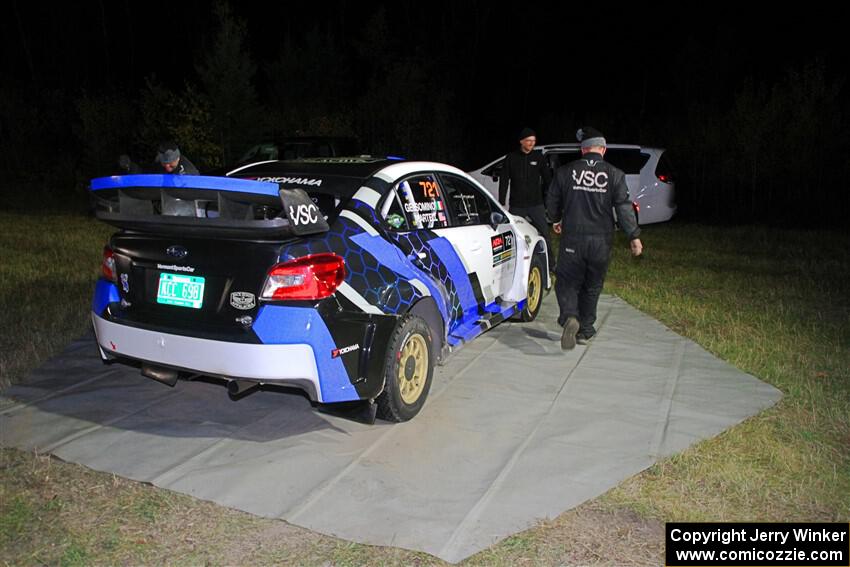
[(361, 412)]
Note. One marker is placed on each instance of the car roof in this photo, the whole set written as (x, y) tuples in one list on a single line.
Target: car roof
[(338, 175), (341, 176), (576, 145), (276, 139), (360, 167), (402, 168)]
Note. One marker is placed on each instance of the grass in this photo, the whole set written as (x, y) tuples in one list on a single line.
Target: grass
[(49, 264), (774, 303)]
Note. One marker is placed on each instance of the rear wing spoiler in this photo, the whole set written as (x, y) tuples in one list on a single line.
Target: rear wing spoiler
[(204, 205)]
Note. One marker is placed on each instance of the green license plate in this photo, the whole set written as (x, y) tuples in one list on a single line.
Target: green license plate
[(180, 290)]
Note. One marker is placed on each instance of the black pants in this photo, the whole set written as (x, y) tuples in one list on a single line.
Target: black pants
[(582, 264), (537, 216)]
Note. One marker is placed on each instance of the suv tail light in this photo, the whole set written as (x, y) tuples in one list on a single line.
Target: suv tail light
[(107, 267), (312, 277), (665, 178)]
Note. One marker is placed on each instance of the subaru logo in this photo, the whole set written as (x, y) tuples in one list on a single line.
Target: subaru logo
[(177, 251)]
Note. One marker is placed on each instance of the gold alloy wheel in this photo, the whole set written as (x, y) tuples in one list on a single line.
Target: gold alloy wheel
[(412, 368), (535, 281)]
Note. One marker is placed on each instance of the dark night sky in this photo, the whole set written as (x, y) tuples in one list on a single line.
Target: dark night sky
[(518, 66)]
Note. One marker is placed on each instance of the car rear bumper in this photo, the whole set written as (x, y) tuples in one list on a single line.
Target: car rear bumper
[(294, 364)]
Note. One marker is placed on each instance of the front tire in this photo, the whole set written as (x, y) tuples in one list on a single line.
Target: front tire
[(534, 296), (409, 368)]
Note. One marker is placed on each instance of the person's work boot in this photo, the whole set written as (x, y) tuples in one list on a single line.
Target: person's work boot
[(568, 336), (584, 337)]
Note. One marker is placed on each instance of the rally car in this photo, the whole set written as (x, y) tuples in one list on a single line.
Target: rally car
[(349, 278)]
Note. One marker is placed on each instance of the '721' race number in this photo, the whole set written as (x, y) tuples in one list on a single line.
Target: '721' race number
[(429, 189)]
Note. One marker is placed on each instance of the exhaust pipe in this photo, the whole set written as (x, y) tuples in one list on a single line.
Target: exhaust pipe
[(160, 374), (239, 387)]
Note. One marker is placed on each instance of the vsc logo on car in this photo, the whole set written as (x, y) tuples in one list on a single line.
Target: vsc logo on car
[(304, 214)]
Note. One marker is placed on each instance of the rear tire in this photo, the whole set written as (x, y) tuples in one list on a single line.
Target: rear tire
[(409, 368), (534, 296)]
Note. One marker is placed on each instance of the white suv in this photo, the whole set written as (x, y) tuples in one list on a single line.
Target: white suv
[(649, 175)]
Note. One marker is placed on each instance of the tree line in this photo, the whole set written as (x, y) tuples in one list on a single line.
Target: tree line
[(766, 149)]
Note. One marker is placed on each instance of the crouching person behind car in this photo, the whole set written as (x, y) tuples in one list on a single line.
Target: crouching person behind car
[(583, 194), (168, 160)]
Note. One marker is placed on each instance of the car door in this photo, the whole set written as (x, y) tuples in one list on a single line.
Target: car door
[(488, 176), (489, 250), (416, 214)]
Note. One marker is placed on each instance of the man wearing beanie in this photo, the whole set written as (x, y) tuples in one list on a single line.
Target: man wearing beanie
[(168, 160), (583, 195), (527, 174)]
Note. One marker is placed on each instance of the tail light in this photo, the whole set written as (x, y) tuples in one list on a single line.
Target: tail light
[(107, 267), (311, 277), (665, 178), (636, 206)]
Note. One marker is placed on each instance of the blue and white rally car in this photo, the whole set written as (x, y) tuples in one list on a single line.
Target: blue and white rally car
[(349, 278)]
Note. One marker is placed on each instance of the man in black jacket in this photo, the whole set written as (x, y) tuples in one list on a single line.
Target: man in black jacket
[(524, 170), (583, 195)]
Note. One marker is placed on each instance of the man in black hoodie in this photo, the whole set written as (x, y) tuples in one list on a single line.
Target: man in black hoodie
[(526, 172), (583, 195)]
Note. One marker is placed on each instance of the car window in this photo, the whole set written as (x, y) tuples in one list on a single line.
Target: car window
[(260, 152), (296, 150), (630, 161), (324, 150), (467, 204), (421, 201), (393, 213)]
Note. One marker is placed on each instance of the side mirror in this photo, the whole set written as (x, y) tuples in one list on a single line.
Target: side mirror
[(496, 218)]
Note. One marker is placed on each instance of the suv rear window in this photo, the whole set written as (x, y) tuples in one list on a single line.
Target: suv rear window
[(557, 159), (630, 161), (665, 167)]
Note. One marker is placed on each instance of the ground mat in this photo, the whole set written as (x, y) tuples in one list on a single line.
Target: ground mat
[(515, 430)]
